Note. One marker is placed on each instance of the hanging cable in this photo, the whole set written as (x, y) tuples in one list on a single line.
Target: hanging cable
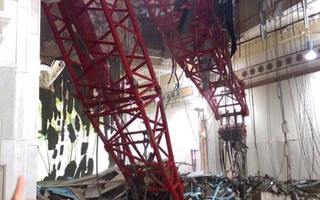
[(254, 127), (174, 73), (253, 118), (282, 110), (186, 109), (268, 114), (301, 128), (145, 145), (45, 164), (301, 93)]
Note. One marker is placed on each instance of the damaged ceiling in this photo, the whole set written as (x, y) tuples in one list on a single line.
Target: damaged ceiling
[(249, 17)]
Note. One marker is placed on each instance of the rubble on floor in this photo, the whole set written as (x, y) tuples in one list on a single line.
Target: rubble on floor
[(197, 186), (111, 183), (255, 187)]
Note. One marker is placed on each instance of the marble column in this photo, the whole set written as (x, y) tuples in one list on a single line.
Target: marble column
[(19, 90)]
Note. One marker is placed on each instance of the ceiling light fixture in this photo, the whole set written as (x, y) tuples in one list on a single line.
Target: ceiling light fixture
[(311, 55)]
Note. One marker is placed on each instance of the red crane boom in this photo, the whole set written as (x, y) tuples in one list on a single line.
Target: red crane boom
[(91, 32), (88, 34), (196, 41)]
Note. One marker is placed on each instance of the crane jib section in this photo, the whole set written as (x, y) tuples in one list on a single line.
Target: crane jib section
[(89, 34), (194, 36)]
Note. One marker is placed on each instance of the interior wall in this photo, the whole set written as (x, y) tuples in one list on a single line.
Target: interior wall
[(299, 94), (300, 111), (19, 90), (296, 97), (54, 167), (184, 134), (267, 152), (67, 142)]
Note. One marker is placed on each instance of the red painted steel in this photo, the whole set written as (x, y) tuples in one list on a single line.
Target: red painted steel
[(202, 52), (89, 33)]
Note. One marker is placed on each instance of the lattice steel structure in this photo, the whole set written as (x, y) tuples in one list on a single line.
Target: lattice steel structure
[(88, 34), (196, 41)]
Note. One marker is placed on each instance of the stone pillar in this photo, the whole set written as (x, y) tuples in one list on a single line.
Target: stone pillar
[(19, 90)]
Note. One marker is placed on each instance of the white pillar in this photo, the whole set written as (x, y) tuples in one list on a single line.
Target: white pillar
[(19, 90)]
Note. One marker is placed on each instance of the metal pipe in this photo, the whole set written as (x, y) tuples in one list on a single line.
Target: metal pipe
[(305, 13)]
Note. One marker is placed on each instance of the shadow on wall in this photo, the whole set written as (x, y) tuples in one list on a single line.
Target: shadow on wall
[(66, 135)]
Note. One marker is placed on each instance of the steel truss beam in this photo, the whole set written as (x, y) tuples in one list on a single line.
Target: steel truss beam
[(88, 34), (201, 51)]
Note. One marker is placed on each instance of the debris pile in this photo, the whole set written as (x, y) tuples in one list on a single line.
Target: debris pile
[(197, 186), (111, 182), (233, 186)]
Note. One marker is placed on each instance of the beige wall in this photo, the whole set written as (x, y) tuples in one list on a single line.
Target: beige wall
[(19, 72)]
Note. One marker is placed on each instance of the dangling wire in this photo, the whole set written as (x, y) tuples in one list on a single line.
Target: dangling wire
[(284, 121), (145, 145), (174, 73), (267, 49), (254, 128)]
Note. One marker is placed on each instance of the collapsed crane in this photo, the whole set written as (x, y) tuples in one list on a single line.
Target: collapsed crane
[(197, 43), (143, 153), (143, 150)]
